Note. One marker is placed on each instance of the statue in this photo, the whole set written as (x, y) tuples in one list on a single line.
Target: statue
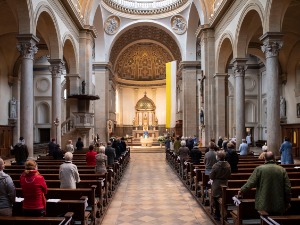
[(282, 107), (83, 87), (13, 108)]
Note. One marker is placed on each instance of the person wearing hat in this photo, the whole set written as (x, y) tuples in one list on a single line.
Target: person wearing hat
[(34, 189), (7, 192), (21, 152)]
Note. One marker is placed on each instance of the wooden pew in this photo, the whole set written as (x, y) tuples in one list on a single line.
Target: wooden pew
[(54, 209), (280, 220), (46, 220), (71, 194)]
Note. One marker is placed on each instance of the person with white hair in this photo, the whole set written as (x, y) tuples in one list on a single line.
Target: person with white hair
[(101, 160), (7, 192), (68, 173), (183, 154)]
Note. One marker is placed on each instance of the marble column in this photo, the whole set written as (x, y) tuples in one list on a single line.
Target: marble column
[(272, 43), (121, 106), (189, 105), (220, 104), (239, 68), (27, 48), (56, 71)]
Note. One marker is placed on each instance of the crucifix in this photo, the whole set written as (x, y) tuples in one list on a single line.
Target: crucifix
[(201, 86)]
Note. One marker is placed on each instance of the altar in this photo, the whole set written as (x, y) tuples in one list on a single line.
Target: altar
[(146, 141), (145, 123)]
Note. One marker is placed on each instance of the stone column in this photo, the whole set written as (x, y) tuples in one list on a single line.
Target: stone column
[(121, 106), (239, 68), (27, 48), (102, 73), (220, 104), (272, 43), (189, 104), (207, 44), (56, 70)]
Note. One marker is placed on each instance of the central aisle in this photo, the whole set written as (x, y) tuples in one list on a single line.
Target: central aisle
[(151, 193)]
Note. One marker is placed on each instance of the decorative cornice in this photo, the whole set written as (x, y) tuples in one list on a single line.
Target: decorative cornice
[(189, 65)]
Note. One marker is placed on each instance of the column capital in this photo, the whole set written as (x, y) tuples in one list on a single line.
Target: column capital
[(27, 45), (239, 67), (272, 43), (56, 67)]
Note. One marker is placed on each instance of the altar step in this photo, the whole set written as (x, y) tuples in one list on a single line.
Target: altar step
[(153, 149), (137, 142)]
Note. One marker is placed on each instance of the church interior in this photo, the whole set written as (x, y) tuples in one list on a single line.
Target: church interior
[(97, 68)]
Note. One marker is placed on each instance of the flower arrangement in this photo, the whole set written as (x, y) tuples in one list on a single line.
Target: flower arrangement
[(161, 139)]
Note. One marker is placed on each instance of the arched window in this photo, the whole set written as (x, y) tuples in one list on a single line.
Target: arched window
[(43, 116)]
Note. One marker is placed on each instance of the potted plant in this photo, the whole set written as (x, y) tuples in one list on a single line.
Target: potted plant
[(161, 140)]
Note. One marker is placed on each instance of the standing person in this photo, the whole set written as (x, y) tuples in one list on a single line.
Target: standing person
[(7, 192), (34, 189), (183, 154), (273, 187), (196, 155), (224, 144), (101, 161), (68, 173), (248, 139), (79, 144), (91, 156), (58, 153), (167, 143), (70, 147), (232, 157), (244, 148), (123, 145), (21, 152), (210, 157), (172, 144), (220, 142), (286, 152), (177, 145), (52, 146), (220, 173), (111, 154)]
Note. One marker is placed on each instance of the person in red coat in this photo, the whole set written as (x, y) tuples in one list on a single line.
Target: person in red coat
[(91, 156), (34, 189)]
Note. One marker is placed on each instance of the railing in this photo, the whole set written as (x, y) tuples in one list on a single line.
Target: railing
[(145, 6), (67, 126), (83, 120)]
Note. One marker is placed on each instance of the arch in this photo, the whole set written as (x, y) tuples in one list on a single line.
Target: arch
[(143, 29), (47, 27), (191, 39), (275, 11), (99, 41), (42, 113), (224, 51), (70, 54), (24, 10), (250, 22), (202, 11)]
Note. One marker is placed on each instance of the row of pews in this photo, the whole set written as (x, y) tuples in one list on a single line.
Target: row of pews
[(195, 179), (83, 205)]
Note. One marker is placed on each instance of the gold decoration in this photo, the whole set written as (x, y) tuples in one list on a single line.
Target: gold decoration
[(143, 62)]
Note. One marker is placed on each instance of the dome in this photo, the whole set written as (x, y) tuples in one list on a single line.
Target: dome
[(144, 7), (145, 104)]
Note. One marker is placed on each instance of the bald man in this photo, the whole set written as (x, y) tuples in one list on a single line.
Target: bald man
[(273, 187), (7, 192)]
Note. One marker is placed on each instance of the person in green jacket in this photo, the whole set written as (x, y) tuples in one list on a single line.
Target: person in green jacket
[(273, 187)]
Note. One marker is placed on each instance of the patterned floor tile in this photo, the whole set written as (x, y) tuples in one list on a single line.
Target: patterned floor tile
[(151, 194)]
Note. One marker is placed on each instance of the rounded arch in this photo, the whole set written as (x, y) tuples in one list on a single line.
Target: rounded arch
[(191, 39), (70, 54), (275, 11), (99, 41), (43, 113), (250, 22), (202, 11), (145, 30), (24, 10), (47, 30), (224, 51)]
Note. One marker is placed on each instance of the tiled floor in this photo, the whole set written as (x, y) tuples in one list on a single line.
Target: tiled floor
[(150, 193)]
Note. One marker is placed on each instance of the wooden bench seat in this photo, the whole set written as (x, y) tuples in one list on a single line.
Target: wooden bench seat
[(280, 220), (24, 220)]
